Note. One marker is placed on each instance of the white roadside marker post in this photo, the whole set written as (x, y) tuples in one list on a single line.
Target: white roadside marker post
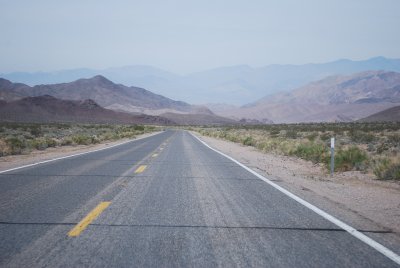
[(332, 155)]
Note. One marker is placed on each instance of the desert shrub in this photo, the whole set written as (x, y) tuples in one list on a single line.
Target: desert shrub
[(66, 141), (42, 143), (82, 139), (274, 132), (249, 141), (312, 136), (361, 137), (138, 127), (126, 134), (394, 139), (384, 169), (35, 131), (382, 147), (350, 158), (269, 145), (51, 142), (325, 136), (15, 144), (109, 136), (4, 148), (314, 152), (291, 134), (38, 144)]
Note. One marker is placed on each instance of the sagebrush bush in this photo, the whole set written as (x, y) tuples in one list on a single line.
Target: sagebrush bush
[(82, 139), (15, 144), (314, 152), (385, 169), (249, 141), (291, 134), (350, 158)]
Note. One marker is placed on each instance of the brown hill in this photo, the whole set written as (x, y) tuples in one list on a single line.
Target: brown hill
[(10, 91), (337, 98), (50, 109), (104, 92), (388, 115)]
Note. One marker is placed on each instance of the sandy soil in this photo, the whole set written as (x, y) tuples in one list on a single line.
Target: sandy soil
[(12, 161), (358, 199)]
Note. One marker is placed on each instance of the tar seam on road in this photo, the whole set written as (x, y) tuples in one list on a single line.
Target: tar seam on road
[(88, 219), (69, 156), (367, 240), (198, 226)]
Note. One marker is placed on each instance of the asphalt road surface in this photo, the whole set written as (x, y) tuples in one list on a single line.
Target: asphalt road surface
[(163, 201)]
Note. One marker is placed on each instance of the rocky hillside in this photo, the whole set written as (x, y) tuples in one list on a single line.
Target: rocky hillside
[(50, 109), (336, 98), (105, 93), (388, 115)]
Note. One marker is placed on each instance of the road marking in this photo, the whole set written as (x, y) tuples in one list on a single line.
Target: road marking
[(88, 219), (372, 243), (155, 155), (68, 156), (140, 169)]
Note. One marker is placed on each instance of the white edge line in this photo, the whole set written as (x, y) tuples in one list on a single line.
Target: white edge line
[(382, 249), (68, 156)]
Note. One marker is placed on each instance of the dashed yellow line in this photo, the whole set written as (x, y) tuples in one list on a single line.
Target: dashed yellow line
[(140, 169), (88, 219)]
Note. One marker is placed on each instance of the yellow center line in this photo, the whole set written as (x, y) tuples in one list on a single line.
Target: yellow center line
[(88, 219), (140, 169)]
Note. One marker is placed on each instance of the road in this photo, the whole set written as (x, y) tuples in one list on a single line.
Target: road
[(163, 201)]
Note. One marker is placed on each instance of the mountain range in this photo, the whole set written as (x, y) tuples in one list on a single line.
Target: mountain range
[(331, 99), (235, 85), (104, 92), (68, 102), (335, 98)]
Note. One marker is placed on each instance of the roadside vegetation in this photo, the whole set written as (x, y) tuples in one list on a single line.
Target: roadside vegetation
[(366, 147), (20, 138)]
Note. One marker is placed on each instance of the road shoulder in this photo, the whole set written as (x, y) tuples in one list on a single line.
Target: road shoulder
[(357, 199)]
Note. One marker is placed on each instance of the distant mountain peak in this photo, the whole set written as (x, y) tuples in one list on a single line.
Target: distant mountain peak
[(98, 79)]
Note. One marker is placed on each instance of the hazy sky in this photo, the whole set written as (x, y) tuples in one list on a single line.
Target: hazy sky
[(185, 36)]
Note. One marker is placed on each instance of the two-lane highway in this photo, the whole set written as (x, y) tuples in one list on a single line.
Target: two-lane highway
[(164, 201)]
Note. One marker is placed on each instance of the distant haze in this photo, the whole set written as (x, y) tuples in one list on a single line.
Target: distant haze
[(189, 36), (237, 85)]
